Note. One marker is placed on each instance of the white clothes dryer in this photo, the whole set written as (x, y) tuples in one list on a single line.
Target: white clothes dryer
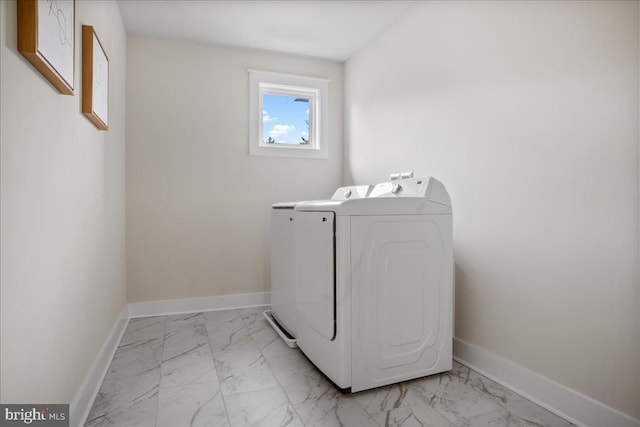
[(375, 284), (283, 313)]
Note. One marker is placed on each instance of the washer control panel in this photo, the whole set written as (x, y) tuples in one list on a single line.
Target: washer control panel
[(352, 192), (413, 187)]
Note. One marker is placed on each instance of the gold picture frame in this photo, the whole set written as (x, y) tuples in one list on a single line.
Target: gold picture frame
[(95, 79), (46, 38)]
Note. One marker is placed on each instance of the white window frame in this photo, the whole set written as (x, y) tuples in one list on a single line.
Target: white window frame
[(315, 89)]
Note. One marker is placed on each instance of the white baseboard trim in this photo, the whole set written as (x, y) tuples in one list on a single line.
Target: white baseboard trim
[(191, 305), (82, 402), (581, 410)]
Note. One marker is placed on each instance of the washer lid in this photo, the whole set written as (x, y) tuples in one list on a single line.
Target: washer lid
[(342, 193)]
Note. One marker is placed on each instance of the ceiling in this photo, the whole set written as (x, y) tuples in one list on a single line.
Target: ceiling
[(324, 29)]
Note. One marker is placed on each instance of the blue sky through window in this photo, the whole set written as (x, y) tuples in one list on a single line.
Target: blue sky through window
[(284, 120)]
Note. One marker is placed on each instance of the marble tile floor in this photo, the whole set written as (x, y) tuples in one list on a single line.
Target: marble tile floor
[(229, 368)]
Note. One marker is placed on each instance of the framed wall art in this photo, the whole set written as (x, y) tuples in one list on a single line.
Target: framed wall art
[(46, 34), (95, 79)]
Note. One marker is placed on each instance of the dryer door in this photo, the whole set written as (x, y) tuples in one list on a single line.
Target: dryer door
[(315, 271)]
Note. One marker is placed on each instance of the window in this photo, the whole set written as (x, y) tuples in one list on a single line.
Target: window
[(288, 115), (293, 109)]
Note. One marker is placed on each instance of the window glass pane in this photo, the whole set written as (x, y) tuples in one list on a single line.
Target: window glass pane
[(285, 119)]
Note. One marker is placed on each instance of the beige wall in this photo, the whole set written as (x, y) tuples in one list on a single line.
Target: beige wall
[(62, 208), (528, 112), (198, 205)]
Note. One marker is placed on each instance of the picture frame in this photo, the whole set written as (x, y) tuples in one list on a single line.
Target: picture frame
[(95, 79), (46, 38)]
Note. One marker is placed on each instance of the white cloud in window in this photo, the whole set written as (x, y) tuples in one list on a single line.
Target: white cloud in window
[(304, 133), (266, 117), (280, 130)]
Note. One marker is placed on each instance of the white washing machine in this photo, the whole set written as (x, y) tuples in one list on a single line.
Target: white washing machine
[(283, 272), (375, 284), (283, 313)]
